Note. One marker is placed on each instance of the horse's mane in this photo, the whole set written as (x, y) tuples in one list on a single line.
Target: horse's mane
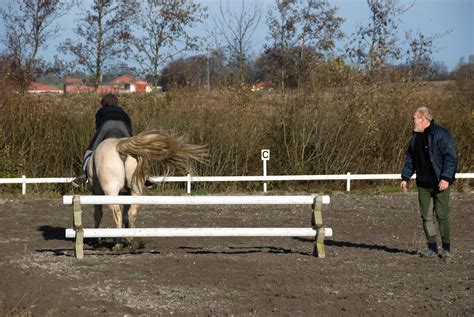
[(154, 145)]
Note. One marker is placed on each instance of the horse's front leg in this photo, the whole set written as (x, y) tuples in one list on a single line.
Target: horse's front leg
[(98, 213), (125, 220), (97, 219)]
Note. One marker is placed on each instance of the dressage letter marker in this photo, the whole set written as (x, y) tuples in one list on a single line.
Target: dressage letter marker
[(265, 158)]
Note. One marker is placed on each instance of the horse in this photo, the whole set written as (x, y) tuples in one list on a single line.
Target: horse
[(120, 166)]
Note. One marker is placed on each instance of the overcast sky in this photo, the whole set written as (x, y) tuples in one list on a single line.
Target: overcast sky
[(453, 18)]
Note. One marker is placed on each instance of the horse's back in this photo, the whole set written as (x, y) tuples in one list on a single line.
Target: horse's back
[(109, 167)]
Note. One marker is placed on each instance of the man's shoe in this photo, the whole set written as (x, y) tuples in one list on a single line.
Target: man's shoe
[(149, 183), (428, 253), (446, 256), (79, 181)]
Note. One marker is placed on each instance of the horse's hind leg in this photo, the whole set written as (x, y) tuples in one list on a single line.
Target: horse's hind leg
[(132, 218), (135, 190), (117, 215), (132, 215)]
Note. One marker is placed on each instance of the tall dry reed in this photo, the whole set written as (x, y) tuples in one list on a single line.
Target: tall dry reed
[(358, 128)]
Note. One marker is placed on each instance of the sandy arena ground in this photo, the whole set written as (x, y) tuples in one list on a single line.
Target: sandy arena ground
[(371, 266)]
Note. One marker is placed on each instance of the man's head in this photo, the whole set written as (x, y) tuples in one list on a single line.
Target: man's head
[(109, 100), (422, 118)]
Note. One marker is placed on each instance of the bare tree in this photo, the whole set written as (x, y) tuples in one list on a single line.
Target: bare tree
[(375, 44), (305, 24), (282, 24), (100, 35), (320, 26), (237, 29), (29, 24), (163, 32), (215, 56)]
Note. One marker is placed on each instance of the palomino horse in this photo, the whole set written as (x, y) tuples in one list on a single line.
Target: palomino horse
[(120, 166)]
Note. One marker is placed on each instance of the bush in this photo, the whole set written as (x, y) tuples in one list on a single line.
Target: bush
[(360, 127)]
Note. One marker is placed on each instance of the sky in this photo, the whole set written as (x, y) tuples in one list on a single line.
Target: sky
[(453, 18)]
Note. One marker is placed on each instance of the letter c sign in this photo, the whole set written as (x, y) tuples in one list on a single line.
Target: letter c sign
[(265, 155)]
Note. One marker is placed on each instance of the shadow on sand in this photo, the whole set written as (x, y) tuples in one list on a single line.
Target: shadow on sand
[(372, 247), (59, 233)]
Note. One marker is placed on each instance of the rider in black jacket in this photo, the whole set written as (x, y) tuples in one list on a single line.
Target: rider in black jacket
[(111, 121)]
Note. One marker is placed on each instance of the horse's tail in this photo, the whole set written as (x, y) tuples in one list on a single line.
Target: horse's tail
[(170, 150)]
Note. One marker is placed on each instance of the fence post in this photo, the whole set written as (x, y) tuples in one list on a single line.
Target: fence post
[(23, 185), (188, 184), (348, 185)]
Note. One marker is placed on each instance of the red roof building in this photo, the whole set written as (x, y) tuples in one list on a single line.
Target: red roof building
[(142, 86), (122, 84), (35, 87), (264, 85), (124, 79)]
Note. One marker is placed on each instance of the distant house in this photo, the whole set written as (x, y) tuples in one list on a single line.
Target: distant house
[(77, 88), (142, 86), (109, 89), (262, 86), (100, 89), (128, 83), (36, 88), (124, 79), (122, 84)]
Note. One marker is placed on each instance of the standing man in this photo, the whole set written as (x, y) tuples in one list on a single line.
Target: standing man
[(431, 154)]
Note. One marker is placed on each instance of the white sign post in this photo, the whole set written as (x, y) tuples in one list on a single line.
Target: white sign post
[(265, 158)]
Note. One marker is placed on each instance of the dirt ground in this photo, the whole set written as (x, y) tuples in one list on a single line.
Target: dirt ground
[(371, 266)]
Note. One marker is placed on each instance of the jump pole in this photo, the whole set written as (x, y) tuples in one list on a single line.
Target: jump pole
[(318, 230), (197, 232), (196, 200)]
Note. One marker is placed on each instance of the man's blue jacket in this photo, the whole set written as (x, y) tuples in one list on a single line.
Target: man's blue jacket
[(442, 154)]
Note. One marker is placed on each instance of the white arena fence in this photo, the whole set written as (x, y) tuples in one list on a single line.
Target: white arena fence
[(317, 231), (195, 179)]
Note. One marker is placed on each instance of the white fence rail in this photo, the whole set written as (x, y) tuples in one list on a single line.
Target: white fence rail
[(194, 179)]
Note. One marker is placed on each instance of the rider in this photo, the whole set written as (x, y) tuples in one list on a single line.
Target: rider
[(111, 121)]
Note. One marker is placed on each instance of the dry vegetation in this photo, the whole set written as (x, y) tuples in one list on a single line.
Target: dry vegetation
[(357, 128)]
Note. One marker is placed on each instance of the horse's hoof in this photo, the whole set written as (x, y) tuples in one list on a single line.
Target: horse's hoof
[(95, 243), (117, 247), (136, 245)]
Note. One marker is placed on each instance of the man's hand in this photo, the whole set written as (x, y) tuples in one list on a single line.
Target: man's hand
[(403, 186), (443, 185)]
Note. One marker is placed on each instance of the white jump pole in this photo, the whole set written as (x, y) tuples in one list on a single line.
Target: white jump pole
[(195, 200), (198, 232)]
